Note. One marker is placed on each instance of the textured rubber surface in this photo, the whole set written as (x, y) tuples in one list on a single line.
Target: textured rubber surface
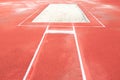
[(98, 41)]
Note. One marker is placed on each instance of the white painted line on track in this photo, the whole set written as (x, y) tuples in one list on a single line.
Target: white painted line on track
[(28, 17), (35, 55), (34, 26), (79, 55), (59, 32), (94, 17), (97, 19), (39, 25)]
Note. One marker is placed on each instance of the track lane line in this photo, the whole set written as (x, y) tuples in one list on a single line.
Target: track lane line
[(35, 55), (60, 32), (79, 55), (94, 16), (97, 19), (20, 24)]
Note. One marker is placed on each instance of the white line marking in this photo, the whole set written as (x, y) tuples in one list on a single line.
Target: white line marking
[(28, 17), (90, 26), (33, 25), (40, 25), (97, 19), (35, 55), (60, 32), (79, 55)]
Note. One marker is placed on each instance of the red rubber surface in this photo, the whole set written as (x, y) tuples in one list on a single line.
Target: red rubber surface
[(57, 59), (100, 52), (98, 42)]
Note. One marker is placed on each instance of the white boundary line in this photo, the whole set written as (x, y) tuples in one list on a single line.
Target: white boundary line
[(32, 25), (97, 19), (54, 32), (20, 24), (35, 55), (59, 32), (79, 55), (94, 17)]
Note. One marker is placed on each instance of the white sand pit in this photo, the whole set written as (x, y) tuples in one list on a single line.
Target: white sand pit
[(62, 13)]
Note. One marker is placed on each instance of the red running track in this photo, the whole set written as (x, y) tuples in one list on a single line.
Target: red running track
[(58, 56)]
